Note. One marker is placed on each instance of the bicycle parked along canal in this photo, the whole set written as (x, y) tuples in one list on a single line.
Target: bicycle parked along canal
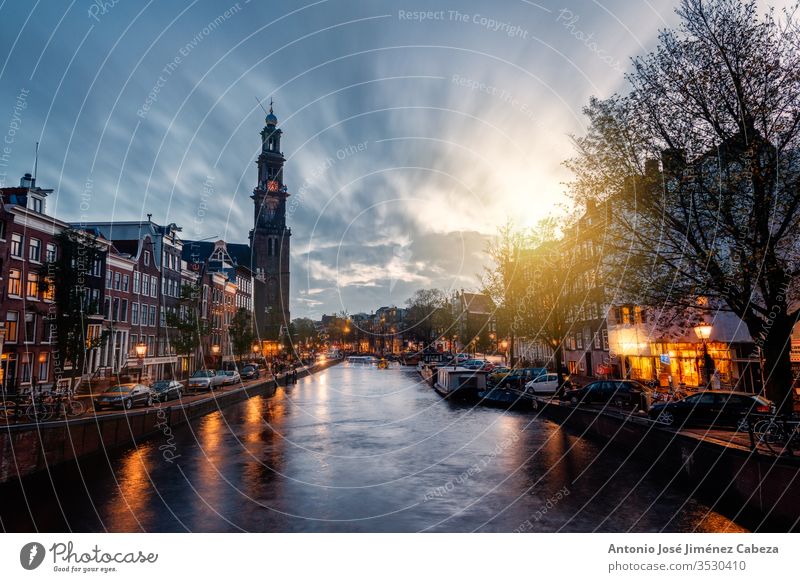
[(780, 434), (42, 408)]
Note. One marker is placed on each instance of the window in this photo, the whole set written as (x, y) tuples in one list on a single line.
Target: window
[(30, 327), (117, 281), (145, 284), (134, 337), (15, 282), (97, 268), (597, 341), (605, 339), (43, 367), (2, 230), (153, 315), (125, 282), (147, 258), (36, 204), (162, 319), (153, 286), (95, 304), (135, 313), (25, 372), (124, 313), (51, 254), (12, 319), (32, 287), (579, 338), (35, 250), (115, 312), (151, 343), (109, 274), (626, 315), (16, 245)]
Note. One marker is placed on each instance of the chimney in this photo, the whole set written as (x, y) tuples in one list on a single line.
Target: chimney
[(27, 181)]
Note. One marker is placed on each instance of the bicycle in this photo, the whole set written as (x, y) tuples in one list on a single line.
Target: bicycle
[(779, 435), (10, 410), (65, 405), (40, 411)]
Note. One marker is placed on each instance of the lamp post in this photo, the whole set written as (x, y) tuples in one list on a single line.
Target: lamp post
[(215, 351), (141, 352), (703, 332)]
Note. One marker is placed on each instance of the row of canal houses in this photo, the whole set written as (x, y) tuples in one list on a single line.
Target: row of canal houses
[(145, 265), (609, 338)]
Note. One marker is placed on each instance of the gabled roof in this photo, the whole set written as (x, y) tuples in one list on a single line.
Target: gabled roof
[(201, 251), (477, 303)]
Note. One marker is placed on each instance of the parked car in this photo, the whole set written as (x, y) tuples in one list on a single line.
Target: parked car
[(124, 396), (229, 376), (205, 380), (628, 394), (518, 377), (165, 390), (473, 364), (545, 384), (498, 373), (250, 372), (711, 407)]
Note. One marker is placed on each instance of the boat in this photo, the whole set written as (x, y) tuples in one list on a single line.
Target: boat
[(502, 398), (428, 374), (452, 381), (432, 359), (362, 360)]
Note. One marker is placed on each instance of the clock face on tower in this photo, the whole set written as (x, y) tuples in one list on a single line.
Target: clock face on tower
[(272, 185)]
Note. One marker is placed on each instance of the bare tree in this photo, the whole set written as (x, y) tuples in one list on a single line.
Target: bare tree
[(716, 225)]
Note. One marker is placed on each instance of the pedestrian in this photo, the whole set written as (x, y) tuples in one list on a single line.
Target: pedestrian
[(294, 376), (715, 381)]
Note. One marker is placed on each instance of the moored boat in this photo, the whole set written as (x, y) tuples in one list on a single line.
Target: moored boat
[(502, 398), (452, 380)]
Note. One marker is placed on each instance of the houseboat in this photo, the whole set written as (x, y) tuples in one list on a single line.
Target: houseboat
[(461, 382)]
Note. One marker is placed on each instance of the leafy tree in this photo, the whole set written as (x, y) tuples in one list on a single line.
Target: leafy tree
[(185, 328), (68, 280), (303, 330), (715, 227), (240, 333), (427, 315), (544, 308)]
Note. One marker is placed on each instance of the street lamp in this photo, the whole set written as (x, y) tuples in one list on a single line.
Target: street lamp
[(703, 332), (215, 351), (141, 352)]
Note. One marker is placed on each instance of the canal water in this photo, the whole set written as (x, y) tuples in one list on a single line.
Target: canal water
[(359, 449)]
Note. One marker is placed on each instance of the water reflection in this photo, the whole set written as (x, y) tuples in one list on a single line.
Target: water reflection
[(361, 449)]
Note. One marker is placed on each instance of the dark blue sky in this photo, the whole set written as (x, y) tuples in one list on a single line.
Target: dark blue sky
[(408, 139)]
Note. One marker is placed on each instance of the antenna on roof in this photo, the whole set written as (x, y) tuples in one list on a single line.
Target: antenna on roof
[(36, 162)]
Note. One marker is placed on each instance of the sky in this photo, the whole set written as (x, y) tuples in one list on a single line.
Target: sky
[(411, 129)]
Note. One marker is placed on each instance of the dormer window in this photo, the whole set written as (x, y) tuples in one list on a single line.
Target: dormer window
[(35, 203)]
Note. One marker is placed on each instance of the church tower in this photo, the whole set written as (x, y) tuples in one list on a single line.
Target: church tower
[(269, 239)]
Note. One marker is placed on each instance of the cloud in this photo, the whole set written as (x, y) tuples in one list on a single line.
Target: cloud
[(406, 142)]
